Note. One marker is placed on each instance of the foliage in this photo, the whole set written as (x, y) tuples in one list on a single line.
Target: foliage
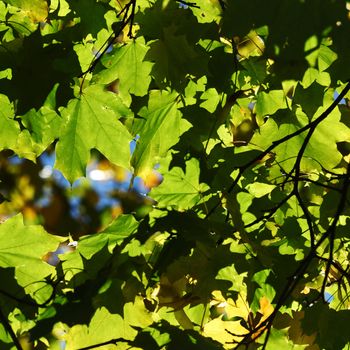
[(232, 116)]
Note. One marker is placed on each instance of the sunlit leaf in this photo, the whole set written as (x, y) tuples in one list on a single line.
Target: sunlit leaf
[(103, 327), (325, 57), (162, 117), (91, 121), (198, 217), (24, 247), (258, 189), (36, 10), (207, 11), (321, 149), (121, 228), (181, 189), (10, 128), (128, 64), (269, 102)]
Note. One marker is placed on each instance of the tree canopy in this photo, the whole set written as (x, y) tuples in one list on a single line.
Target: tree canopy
[(174, 174)]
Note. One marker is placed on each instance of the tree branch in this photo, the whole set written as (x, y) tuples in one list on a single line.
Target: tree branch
[(311, 126)]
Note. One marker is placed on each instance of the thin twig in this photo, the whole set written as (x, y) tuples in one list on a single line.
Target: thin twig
[(189, 4), (329, 234), (332, 230), (112, 341), (335, 265), (270, 211), (286, 138), (7, 326), (127, 20)]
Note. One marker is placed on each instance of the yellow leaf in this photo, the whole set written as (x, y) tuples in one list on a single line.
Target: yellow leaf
[(36, 10), (216, 329), (266, 309)]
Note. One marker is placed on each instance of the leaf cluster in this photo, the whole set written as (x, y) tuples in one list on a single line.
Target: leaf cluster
[(234, 116)]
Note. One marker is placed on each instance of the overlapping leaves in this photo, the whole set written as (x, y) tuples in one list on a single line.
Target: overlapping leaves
[(248, 228)]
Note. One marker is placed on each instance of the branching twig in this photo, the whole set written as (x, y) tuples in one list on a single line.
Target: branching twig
[(126, 20), (329, 234), (298, 274), (332, 229), (335, 265), (320, 184), (311, 126), (307, 217), (270, 211)]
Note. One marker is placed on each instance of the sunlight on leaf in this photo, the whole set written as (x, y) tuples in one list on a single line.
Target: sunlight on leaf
[(181, 189), (92, 122)]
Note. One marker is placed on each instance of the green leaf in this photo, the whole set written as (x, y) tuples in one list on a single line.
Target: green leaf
[(318, 318), (229, 273), (180, 189), (24, 247), (35, 10), (325, 57), (61, 6), (208, 260), (9, 128), (212, 99), (264, 289), (270, 102), (292, 242), (103, 327), (207, 11), (160, 131), (44, 125), (309, 99), (259, 189), (312, 74), (321, 149), (279, 340), (256, 69), (128, 65), (136, 313), (121, 228), (6, 341), (91, 121), (90, 14), (84, 52), (172, 65), (3, 13)]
